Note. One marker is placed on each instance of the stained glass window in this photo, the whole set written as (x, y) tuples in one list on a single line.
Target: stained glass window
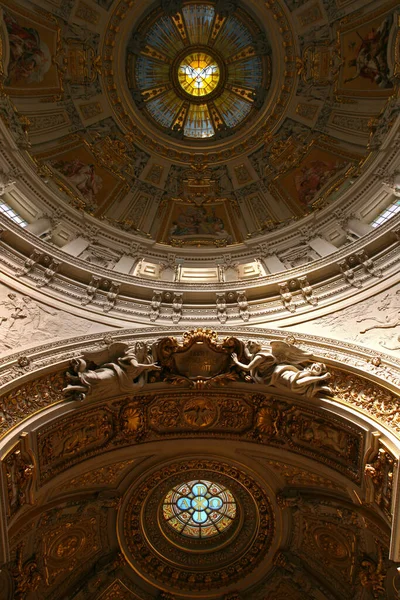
[(199, 509), (198, 122), (198, 74), (195, 74)]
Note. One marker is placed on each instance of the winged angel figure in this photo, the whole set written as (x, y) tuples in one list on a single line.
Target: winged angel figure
[(282, 367), (122, 368)]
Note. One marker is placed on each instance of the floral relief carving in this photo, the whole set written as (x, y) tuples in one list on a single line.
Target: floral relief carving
[(368, 397), (19, 471), (380, 471), (107, 475), (29, 398)]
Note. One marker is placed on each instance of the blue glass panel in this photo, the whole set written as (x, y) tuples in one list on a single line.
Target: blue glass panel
[(198, 122), (233, 37), (199, 489), (215, 503), (232, 108), (183, 503), (246, 73), (200, 517), (198, 20), (164, 108), (164, 37), (150, 73)]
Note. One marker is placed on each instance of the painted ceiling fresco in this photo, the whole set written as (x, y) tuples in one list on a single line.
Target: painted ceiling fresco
[(199, 123)]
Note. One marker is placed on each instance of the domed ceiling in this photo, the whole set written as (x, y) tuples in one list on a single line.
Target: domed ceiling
[(197, 73), (199, 123)]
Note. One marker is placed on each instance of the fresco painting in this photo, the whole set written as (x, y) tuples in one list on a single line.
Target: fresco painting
[(31, 68), (85, 177), (313, 175), (208, 222), (365, 48)]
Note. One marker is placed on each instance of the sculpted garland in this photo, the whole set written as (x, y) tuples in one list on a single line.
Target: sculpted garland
[(199, 361)]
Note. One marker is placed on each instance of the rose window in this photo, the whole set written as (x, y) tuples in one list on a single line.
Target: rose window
[(199, 509)]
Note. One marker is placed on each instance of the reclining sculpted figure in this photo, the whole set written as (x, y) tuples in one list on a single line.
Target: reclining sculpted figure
[(283, 366), (122, 368)]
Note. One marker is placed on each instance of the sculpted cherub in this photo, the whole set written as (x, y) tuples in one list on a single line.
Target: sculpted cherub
[(283, 367), (121, 368)]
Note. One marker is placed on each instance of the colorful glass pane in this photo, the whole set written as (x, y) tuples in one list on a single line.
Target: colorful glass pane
[(150, 73), (199, 20), (246, 73), (197, 70), (199, 508), (198, 122), (198, 74), (232, 108), (164, 108), (233, 37), (164, 37)]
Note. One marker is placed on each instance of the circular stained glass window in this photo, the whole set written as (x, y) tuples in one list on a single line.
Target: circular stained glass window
[(198, 74), (199, 509)]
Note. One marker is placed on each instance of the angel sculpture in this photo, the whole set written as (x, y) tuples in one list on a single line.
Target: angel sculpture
[(122, 369), (283, 367)]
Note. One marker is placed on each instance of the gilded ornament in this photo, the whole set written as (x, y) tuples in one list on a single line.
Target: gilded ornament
[(381, 472), (164, 559), (200, 412), (368, 397), (19, 471), (24, 401), (27, 575), (131, 419), (372, 574)]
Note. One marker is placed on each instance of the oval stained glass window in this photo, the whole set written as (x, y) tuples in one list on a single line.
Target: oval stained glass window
[(199, 509)]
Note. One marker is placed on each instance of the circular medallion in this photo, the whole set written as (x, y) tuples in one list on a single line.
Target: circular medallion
[(200, 413), (183, 527)]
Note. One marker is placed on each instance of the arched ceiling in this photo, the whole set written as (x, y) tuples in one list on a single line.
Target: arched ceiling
[(306, 94), (314, 480)]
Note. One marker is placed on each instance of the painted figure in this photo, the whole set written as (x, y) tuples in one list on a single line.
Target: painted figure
[(30, 58), (371, 61), (199, 221), (313, 177), (82, 176)]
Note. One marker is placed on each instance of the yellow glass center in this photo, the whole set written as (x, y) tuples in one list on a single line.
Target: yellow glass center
[(198, 74)]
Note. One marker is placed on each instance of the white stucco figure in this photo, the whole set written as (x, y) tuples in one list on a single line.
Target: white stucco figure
[(121, 369), (283, 366)]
